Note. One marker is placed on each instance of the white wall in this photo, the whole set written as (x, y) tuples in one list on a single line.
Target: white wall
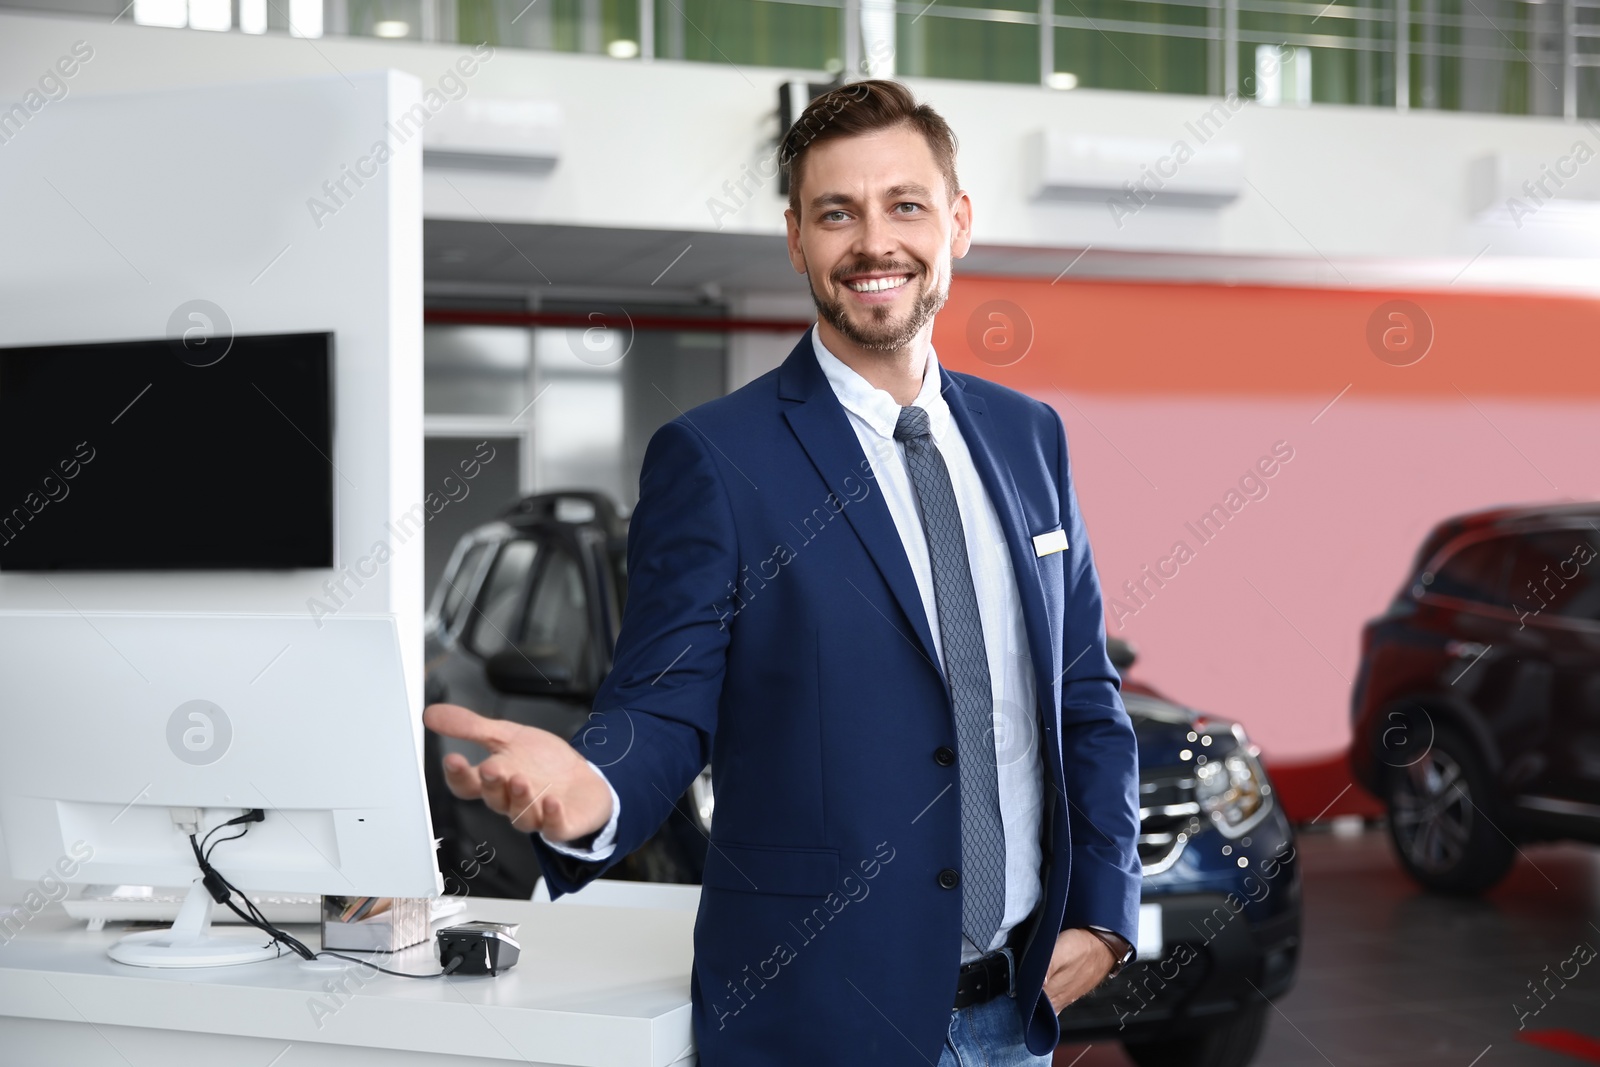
[(121, 207), (648, 145), (750, 355)]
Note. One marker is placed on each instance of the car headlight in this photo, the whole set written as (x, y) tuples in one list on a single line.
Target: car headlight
[(1232, 791)]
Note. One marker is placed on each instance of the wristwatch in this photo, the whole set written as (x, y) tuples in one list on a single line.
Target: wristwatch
[(1121, 951)]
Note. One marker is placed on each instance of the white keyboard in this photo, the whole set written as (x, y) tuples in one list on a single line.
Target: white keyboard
[(100, 904)]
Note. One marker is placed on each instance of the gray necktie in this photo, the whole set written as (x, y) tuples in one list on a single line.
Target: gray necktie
[(966, 664)]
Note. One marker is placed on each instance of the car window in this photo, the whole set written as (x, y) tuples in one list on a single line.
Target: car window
[(1556, 572), (458, 583), (495, 626), (558, 615), (1476, 573)]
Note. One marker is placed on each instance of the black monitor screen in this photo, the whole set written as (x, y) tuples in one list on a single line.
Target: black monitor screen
[(146, 455)]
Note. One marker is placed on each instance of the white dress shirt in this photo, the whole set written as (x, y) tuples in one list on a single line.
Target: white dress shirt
[(873, 414)]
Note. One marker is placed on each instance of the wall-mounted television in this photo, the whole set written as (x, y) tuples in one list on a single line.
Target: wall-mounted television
[(152, 455)]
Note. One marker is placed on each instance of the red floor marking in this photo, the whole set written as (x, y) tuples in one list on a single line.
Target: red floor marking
[(1568, 1042)]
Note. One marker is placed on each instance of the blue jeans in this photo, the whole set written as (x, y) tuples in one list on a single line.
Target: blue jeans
[(988, 1035)]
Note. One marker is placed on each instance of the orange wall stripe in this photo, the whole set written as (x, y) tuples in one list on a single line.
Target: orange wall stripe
[(1134, 337)]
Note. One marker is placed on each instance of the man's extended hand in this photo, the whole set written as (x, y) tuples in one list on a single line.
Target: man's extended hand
[(531, 775), (1079, 962)]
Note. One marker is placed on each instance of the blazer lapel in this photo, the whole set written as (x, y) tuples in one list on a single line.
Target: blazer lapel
[(824, 431)]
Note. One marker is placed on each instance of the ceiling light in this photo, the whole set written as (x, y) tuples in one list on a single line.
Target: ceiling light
[(171, 13), (305, 18), (623, 49), (392, 28), (1062, 80), (210, 15), (253, 16)]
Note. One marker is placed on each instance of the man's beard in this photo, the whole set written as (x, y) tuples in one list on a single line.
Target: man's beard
[(882, 333)]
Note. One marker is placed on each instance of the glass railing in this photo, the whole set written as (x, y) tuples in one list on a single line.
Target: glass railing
[(1508, 57)]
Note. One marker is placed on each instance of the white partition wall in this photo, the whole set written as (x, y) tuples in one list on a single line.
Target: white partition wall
[(274, 203)]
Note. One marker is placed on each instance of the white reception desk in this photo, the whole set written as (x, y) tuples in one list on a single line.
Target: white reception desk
[(596, 986)]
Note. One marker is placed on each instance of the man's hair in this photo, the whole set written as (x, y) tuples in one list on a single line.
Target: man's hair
[(865, 107)]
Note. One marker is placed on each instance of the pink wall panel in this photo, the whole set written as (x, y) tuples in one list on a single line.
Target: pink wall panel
[(1172, 393), (1262, 623)]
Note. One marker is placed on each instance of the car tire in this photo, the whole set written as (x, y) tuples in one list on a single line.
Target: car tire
[(1230, 1042), (1443, 819)]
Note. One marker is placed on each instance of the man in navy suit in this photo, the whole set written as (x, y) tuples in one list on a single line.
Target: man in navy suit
[(861, 588)]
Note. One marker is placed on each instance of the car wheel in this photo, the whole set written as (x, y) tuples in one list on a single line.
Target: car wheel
[(1441, 820), (1231, 1042)]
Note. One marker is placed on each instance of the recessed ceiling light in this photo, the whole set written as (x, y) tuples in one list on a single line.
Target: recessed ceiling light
[(1062, 80), (392, 28), (623, 49)]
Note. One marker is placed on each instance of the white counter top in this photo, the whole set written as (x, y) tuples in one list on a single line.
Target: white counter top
[(595, 986)]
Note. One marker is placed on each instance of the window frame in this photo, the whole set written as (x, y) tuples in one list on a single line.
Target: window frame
[(449, 630), (511, 537), (1556, 618)]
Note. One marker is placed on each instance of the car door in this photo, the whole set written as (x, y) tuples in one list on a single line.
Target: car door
[(452, 598), (554, 621), (1555, 590), (1499, 668), (484, 619)]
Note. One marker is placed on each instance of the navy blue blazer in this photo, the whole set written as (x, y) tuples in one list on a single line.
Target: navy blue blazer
[(773, 628)]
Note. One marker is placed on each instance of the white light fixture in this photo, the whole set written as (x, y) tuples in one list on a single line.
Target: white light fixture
[(305, 18), (253, 16), (620, 49), (877, 38), (1283, 75), (172, 13), (210, 15), (391, 28), (1062, 79)]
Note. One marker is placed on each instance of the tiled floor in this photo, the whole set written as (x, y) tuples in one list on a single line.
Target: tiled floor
[(1393, 976)]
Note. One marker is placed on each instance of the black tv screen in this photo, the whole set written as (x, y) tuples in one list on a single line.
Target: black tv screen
[(146, 455)]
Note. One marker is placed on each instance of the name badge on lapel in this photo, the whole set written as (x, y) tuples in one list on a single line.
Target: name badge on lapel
[(1053, 541)]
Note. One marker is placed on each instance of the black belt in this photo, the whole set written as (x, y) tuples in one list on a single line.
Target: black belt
[(985, 978)]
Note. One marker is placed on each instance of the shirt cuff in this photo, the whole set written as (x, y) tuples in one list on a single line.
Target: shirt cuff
[(605, 842)]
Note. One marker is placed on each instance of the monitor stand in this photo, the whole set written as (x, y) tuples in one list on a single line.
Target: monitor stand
[(189, 942)]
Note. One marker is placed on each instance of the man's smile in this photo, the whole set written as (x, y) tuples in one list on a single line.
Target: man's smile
[(876, 289), (878, 284)]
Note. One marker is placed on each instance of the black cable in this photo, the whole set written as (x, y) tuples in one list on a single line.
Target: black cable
[(252, 815), (256, 919), (252, 922), (458, 961), (223, 891), (220, 840)]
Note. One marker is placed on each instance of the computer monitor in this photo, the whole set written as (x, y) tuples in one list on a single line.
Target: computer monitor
[(124, 731)]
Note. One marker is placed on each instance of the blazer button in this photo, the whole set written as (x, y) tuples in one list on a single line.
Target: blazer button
[(949, 878), (944, 756)]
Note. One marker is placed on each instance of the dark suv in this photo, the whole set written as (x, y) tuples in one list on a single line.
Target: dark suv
[(1477, 706), (521, 627)]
